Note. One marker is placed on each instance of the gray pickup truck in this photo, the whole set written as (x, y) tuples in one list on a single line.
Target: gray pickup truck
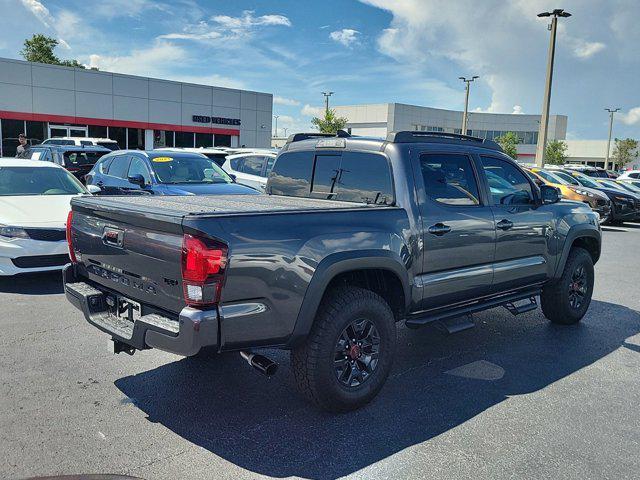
[(354, 236)]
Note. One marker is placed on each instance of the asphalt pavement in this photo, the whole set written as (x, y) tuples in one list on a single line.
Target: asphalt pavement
[(515, 397)]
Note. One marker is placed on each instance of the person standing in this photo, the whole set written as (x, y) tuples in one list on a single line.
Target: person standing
[(23, 149)]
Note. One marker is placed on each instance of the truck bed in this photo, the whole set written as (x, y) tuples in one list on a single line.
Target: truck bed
[(214, 205)]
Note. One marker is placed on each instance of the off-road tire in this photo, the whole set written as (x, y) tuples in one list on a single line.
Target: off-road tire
[(313, 362), (555, 297)]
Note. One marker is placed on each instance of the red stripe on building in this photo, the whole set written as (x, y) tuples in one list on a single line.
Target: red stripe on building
[(103, 122)]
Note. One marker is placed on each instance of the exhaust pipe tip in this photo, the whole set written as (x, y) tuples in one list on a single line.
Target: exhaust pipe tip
[(260, 363)]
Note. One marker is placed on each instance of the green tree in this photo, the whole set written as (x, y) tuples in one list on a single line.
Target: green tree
[(625, 151), (330, 122), (556, 152), (39, 48), (509, 143)]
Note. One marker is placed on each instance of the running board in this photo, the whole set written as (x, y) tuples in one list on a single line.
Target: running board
[(531, 304), (455, 325), (465, 310)]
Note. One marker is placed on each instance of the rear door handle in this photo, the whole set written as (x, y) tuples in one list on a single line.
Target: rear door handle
[(504, 224), (439, 229)]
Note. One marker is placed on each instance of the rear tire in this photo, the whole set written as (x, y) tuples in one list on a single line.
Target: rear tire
[(566, 300), (332, 371)]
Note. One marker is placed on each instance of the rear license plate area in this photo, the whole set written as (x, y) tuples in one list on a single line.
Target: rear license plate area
[(123, 308)]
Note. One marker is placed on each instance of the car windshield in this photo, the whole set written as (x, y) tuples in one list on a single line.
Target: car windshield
[(629, 187), (551, 177), (585, 181), (188, 169), (77, 159), (567, 178), (38, 181), (611, 184), (109, 145)]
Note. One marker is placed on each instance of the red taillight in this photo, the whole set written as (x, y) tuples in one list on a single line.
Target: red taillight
[(72, 254), (204, 262)]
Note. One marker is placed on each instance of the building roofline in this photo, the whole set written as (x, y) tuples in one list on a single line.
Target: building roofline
[(97, 72)]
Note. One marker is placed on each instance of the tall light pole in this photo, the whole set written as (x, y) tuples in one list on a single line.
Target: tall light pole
[(611, 112), (326, 100), (544, 121), (466, 102), (276, 133), (285, 131)]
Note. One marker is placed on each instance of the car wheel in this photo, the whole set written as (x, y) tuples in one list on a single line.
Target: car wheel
[(345, 360), (566, 300)]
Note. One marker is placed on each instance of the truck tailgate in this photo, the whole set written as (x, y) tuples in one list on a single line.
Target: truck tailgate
[(136, 253)]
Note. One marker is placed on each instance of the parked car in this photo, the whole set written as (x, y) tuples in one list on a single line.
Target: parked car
[(136, 172), (631, 181), (218, 155), (598, 201), (83, 141), (250, 168), (34, 204), (356, 235), (77, 160), (635, 174), (625, 206)]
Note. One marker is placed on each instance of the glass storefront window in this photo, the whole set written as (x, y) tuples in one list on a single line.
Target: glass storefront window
[(136, 138), (204, 140), (184, 139), (162, 138), (119, 134), (10, 131), (222, 140), (36, 132), (97, 131)]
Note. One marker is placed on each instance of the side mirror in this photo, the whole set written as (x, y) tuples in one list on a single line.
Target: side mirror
[(137, 180), (93, 189), (549, 194)]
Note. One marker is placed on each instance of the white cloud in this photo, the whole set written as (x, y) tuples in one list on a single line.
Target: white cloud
[(631, 117), (278, 100), (346, 36), (39, 11), (587, 49), (309, 111), (225, 28), (517, 110)]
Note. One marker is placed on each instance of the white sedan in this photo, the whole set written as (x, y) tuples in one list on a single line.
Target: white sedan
[(34, 204), (250, 169)]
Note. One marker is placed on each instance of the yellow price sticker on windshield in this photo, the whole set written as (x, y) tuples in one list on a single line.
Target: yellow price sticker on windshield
[(163, 159)]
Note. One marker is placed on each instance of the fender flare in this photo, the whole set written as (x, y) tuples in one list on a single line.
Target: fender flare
[(575, 232), (334, 265)]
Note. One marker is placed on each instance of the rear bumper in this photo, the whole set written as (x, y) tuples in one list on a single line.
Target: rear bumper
[(186, 335)]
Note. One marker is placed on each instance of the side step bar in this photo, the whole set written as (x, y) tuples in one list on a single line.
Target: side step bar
[(464, 311)]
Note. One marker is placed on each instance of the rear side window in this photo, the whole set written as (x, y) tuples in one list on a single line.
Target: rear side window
[(119, 166), (252, 165), (291, 174), (365, 177), (449, 179)]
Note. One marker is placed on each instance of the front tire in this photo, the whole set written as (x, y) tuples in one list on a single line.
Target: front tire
[(566, 300), (345, 360)]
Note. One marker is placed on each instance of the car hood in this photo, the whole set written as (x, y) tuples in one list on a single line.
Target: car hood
[(35, 210), (208, 189)]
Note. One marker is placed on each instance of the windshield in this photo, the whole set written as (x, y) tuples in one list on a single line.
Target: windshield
[(628, 187), (551, 177), (567, 178), (611, 184), (38, 181), (77, 159), (109, 145), (585, 181), (188, 169)]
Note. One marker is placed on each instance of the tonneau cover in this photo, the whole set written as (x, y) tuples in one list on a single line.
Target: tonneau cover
[(214, 204)]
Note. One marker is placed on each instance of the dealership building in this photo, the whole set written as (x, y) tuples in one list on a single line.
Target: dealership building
[(379, 119), (44, 101)]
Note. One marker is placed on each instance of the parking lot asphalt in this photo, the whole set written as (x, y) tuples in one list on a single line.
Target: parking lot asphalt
[(513, 397)]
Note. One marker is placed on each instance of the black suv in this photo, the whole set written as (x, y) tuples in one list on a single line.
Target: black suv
[(77, 160)]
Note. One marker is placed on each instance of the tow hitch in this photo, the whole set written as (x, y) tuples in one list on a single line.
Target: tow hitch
[(119, 347)]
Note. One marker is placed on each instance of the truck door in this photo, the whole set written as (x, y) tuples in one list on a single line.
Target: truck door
[(524, 228), (458, 230)]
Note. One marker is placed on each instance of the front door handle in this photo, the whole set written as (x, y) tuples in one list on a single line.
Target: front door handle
[(504, 224), (439, 229)]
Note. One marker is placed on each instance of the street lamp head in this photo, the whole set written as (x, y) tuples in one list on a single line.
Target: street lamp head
[(474, 77), (558, 12), (544, 14)]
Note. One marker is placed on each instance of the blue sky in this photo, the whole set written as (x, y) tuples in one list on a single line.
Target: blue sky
[(367, 51)]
